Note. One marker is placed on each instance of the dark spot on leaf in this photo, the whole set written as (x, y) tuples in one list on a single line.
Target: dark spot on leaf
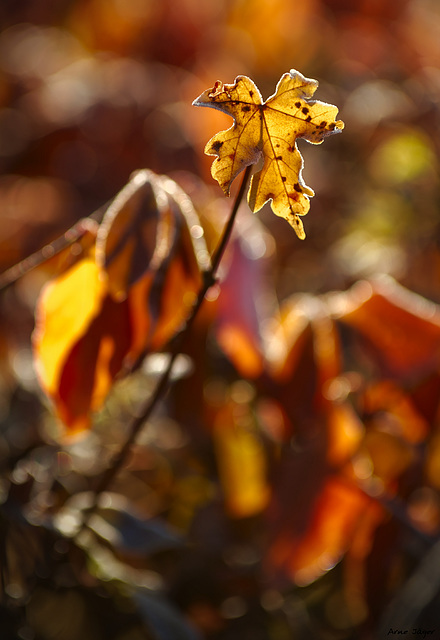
[(231, 156), (270, 196), (297, 105), (297, 187), (283, 178), (293, 196), (305, 110), (251, 93), (291, 148), (331, 126), (245, 108), (309, 118), (217, 145), (323, 124), (279, 158)]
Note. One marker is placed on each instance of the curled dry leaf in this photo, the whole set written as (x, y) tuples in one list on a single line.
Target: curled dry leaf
[(127, 295), (141, 231), (151, 250), (269, 130)]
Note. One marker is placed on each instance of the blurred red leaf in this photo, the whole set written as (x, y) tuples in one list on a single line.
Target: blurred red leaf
[(305, 360), (299, 317), (244, 300), (390, 455)]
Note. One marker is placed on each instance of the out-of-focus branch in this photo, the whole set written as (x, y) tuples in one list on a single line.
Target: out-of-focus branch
[(68, 238), (408, 605), (162, 386)]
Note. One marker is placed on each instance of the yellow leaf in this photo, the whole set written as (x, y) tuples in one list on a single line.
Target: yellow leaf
[(344, 432), (59, 324), (241, 459), (269, 130), (80, 341)]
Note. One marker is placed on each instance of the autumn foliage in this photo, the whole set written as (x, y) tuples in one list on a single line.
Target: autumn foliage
[(125, 296), (269, 129), (208, 429)]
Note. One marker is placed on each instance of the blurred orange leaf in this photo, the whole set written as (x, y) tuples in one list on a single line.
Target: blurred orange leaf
[(344, 431), (91, 366), (400, 328), (305, 358), (433, 462), (100, 317), (269, 130), (316, 534), (390, 455), (387, 399), (58, 322)]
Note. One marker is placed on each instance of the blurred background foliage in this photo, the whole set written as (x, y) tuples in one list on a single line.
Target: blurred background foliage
[(319, 429)]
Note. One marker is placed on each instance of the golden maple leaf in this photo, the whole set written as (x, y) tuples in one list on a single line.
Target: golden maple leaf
[(269, 129)]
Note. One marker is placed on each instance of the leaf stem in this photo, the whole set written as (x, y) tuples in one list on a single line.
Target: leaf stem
[(218, 253), (162, 386)]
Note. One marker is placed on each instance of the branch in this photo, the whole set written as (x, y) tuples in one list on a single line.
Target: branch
[(162, 386), (68, 238)]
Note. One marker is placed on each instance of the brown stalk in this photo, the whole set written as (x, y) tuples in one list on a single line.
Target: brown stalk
[(164, 381)]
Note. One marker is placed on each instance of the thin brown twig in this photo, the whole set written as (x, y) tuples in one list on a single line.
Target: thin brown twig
[(50, 250), (162, 386)]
